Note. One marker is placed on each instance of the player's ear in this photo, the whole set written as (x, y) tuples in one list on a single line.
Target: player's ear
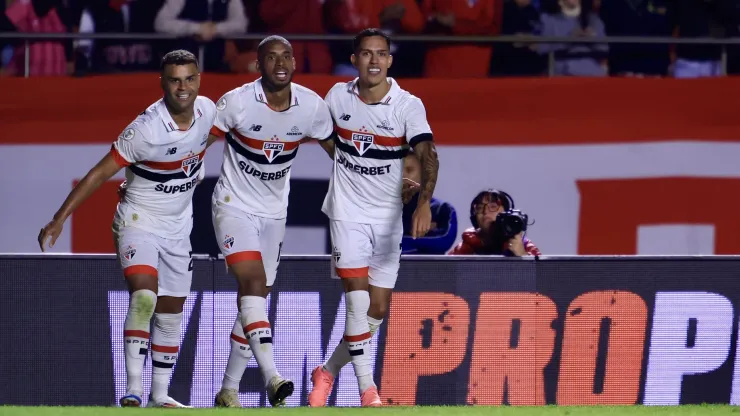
[(390, 60), (353, 59), (257, 65), (293, 59)]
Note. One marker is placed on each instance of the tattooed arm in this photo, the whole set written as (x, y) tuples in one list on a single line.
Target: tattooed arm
[(427, 153)]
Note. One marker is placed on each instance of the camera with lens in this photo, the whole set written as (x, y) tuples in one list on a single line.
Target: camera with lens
[(510, 223)]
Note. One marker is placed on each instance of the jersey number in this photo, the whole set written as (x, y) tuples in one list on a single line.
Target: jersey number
[(190, 266)]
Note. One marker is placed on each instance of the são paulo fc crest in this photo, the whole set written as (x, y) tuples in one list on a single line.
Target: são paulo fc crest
[(271, 150), (228, 242), (189, 163), (362, 142), (129, 253)]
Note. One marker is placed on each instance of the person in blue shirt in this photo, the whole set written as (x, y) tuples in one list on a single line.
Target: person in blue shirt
[(443, 232)]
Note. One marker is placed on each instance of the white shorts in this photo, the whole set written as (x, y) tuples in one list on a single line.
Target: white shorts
[(243, 236), (170, 261), (372, 250)]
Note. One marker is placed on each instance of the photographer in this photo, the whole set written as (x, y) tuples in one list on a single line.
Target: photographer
[(498, 229)]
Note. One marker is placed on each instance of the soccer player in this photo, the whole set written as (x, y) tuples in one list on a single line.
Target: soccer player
[(376, 122), (263, 123), (162, 151)]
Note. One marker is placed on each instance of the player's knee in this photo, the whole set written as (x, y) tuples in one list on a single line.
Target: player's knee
[(142, 305), (358, 302), (169, 304), (168, 324), (378, 310)]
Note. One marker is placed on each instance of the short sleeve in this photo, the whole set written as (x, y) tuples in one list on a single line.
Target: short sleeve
[(323, 125), (417, 127), (130, 147), (227, 107)]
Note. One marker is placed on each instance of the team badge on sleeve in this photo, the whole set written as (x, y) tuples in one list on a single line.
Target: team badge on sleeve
[(221, 104), (127, 134)]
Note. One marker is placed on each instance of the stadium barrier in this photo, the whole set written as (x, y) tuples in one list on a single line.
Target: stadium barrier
[(557, 330)]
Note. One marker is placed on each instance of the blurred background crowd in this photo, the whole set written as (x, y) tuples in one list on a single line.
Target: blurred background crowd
[(209, 24)]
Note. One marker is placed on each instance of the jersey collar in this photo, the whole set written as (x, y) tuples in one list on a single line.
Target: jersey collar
[(169, 123), (388, 99), (259, 94)]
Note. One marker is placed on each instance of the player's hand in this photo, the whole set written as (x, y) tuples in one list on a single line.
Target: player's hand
[(516, 245), (409, 189), (52, 229), (421, 221), (122, 191)]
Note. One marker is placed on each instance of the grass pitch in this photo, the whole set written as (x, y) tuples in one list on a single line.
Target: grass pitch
[(702, 410)]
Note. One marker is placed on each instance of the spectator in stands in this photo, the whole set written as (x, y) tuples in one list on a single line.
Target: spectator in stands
[(697, 19), (300, 16), (637, 18), (241, 54), (443, 232), (574, 18), (45, 57), (391, 16), (460, 17), (117, 55), (203, 22), (520, 17), (484, 238)]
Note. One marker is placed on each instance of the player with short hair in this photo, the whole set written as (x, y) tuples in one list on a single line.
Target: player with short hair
[(376, 122), (263, 123), (162, 151)]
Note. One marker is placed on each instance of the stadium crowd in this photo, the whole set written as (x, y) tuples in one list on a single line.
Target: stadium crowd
[(209, 23)]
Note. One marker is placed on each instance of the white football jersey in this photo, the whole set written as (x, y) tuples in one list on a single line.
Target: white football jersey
[(261, 144), (163, 165), (371, 142)]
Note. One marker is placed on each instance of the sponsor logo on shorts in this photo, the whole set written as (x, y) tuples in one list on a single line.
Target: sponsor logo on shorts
[(228, 242), (129, 253)]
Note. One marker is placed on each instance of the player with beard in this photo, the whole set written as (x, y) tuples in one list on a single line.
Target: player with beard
[(162, 151), (376, 123), (263, 123)]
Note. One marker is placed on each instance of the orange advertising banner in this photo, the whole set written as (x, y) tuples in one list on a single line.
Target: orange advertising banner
[(461, 112)]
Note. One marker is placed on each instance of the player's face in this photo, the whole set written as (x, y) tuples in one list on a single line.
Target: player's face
[(412, 168), (277, 64), (486, 212), (180, 84), (372, 60)]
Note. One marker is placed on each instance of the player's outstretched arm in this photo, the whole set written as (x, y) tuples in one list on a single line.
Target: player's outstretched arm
[(99, 174)]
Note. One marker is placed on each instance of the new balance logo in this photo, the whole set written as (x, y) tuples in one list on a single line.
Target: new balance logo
[(345, 117), (171, 150), (255, 127)]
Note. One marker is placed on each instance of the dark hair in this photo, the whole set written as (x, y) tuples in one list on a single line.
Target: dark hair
[(178, 57), (494, 195), (369, 33), (272, 38)]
